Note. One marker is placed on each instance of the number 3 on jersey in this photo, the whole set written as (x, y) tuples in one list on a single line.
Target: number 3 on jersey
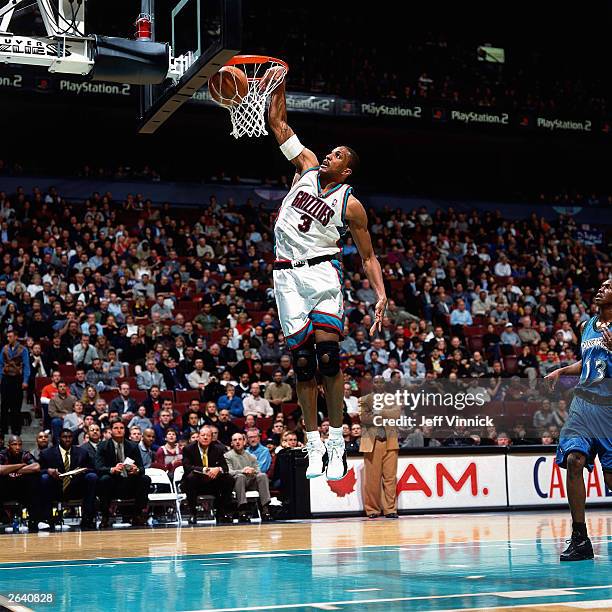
[(304, 226)]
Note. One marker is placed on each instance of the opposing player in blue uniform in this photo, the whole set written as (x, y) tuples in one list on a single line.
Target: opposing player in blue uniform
[(587, 432)]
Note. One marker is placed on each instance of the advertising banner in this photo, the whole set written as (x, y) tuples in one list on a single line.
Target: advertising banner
[(536, 480), (434, 482)]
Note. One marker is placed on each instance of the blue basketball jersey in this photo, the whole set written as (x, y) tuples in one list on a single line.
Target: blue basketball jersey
[(596, 375)]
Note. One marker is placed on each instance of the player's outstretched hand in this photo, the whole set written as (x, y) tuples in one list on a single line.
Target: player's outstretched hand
[(276, 73), (379, 313), (552, 379), (607, 338)]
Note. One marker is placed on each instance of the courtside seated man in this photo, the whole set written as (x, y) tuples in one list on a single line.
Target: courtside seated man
[(588, 429), (308, 277)]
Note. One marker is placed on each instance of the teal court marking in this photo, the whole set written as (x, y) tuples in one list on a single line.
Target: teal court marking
[(420, 577)]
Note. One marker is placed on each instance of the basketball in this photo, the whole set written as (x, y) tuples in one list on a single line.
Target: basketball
[(229, 86)]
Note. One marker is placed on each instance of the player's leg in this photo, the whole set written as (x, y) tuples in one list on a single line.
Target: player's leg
[(327, 314), (297, 327), (305, 366), (576, 491), (575, 452), (328, 359)]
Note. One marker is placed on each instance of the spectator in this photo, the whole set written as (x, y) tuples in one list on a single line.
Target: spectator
[(225, 426), (66, 458), (145, 446), (351, 403), (244, 469), (231, 402), (199, 378), (14, 374), (75, 420), (206, 473), (256, 405), (98, 378), (150, 377), (119, 478), (509, 337), (354, 440), (19, 478), (258, 450), (140, 419), (560, 414), (161, 428), (153, 403), (78, 387), (168, 456), (503, 439), (270, 351), (278, 392), (83, 353), (527, 334), (42, 443), (460, 317), (93, 439), (174, 377), (125, 405), (543, 417)]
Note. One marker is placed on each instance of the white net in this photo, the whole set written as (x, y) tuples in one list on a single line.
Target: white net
[(249, 115)]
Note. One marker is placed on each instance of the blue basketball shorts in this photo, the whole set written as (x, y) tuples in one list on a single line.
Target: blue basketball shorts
[(588, 430)]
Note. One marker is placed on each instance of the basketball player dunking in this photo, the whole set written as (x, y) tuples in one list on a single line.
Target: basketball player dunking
[(588, 429), (308, 279)]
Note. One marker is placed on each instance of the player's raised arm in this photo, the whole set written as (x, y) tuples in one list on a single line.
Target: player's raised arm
[(357, 220), (301, 157)]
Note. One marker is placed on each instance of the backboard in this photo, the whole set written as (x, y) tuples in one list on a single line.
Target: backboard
[(204, 35)]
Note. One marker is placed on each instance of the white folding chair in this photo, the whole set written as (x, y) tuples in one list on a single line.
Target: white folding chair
[(160, 477)]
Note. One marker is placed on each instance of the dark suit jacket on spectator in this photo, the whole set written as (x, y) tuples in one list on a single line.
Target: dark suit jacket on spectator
[(89, 448), (117, 404), (52, 458), (192, 458), (107, 459)]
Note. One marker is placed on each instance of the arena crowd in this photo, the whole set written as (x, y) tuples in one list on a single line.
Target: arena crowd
[(129, 326)]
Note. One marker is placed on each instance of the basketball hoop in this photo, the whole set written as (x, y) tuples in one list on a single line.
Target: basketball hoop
[(248, 117)]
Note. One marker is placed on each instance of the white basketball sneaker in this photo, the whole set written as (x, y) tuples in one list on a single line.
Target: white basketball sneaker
[(336, 459), (317, 459)]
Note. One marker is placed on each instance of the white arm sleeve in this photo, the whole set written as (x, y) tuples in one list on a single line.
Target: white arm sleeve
[(292, 147)]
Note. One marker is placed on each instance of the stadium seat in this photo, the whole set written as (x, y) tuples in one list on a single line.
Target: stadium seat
[(67, 370), (475, 343), (510, 364), (187, 396), (289, 408), (168, 394), (264, 423)]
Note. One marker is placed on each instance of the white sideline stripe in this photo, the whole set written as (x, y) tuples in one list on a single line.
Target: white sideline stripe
[(337, 550), (12, 606), (392, 600), (537, 593), (591, 605)]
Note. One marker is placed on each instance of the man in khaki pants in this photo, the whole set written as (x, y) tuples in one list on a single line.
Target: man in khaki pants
[(381, 449)]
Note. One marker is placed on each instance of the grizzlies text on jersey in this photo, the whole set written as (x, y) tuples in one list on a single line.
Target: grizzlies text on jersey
[(309, 220)]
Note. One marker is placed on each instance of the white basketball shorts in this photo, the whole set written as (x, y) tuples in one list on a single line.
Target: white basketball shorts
[(309, 298)]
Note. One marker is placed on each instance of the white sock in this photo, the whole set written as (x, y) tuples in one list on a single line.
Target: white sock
[(313, 436), (335, 433)]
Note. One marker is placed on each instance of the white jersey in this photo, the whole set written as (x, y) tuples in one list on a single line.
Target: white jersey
[(309, 222)]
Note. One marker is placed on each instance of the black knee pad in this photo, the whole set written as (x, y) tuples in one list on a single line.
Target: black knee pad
[(328, 356), (304, 362)]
